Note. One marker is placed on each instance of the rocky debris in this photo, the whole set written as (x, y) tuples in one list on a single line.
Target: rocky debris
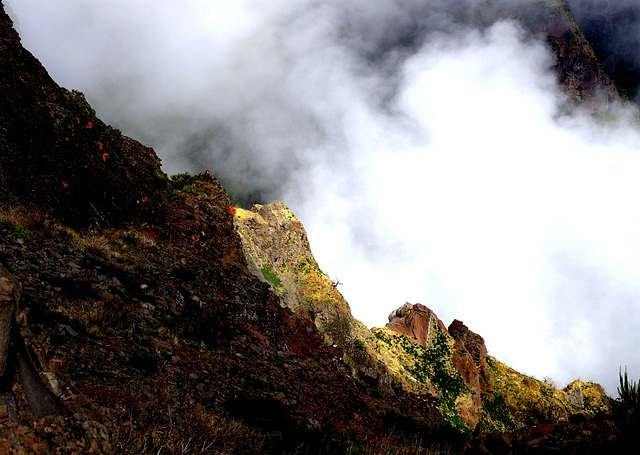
[(40, 412), (595, 436)]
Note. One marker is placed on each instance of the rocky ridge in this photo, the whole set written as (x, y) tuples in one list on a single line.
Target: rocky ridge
[(415, 353)]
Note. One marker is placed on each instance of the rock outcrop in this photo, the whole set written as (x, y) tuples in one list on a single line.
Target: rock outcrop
[(474, 388), (474, 345), (414, 321), (579, 71), (277, 250)]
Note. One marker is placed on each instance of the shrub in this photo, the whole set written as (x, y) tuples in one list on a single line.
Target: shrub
[(628, 392), (183, 182)]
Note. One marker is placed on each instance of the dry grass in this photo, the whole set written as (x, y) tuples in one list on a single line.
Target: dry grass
[(25, 223), (164, 419), (419, 447)]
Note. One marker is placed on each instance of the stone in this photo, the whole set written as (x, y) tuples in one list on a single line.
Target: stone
[(472, 342), (413, 321)]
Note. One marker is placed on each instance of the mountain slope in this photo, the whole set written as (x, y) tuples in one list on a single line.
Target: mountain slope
[(54, 151), (139, 327), (131, 321)]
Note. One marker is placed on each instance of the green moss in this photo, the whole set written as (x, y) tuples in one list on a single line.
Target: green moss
[(20, 234), (270, 275), (435, 365), (496, 406), (360, 344), (182, 182), (379, 334)]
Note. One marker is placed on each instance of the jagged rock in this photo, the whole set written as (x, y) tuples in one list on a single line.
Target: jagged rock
[(414, 321), (578, 70), (472, 342), (474, 345), (148, 331), (445, 367), (487, 391)]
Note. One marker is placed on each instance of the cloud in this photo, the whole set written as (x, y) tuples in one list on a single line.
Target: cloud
[(428, 151)]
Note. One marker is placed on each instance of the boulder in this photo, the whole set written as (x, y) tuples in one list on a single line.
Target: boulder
[(413, 321), (472, 342)]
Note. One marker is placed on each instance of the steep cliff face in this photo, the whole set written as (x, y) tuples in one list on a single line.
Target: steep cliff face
[(612, 33), (55, 152), (579, 70), (577, 67), (277, 250)]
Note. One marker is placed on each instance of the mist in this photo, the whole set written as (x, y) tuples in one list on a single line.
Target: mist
[(428, 151)]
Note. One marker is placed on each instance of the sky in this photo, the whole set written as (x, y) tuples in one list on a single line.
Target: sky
[(430, 157)]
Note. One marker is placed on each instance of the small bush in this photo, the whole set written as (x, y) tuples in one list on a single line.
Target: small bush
[(20, 234), (629, 392), (183, 182)]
